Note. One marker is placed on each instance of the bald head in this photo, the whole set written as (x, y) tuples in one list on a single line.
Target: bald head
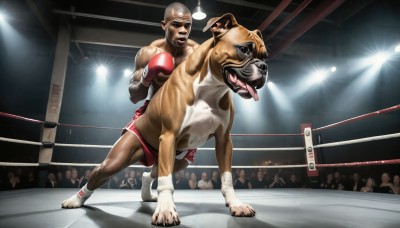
[(174, 8)]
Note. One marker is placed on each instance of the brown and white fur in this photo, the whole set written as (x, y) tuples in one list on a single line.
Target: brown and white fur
[(195, 104)]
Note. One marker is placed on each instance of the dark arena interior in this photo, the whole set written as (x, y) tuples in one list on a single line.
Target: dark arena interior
[(320, 148)]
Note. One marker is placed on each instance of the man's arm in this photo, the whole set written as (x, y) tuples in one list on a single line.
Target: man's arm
[(156, 62), (137, 90)]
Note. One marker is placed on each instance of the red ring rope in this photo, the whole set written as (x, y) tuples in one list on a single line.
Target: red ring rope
[(366, 163)]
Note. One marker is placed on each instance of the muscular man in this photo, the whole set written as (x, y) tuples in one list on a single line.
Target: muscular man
[(153, 65)]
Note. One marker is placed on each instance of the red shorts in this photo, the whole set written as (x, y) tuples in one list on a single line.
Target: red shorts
[(151, 154)]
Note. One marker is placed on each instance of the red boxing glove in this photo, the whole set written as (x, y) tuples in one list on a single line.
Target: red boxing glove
[(160, 63)]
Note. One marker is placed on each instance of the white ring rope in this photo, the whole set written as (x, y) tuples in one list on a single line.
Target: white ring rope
[(18, 164), (354, 141), (83, 145), (20, 141)]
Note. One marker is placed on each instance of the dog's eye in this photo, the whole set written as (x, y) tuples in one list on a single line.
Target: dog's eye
[(244, 51)]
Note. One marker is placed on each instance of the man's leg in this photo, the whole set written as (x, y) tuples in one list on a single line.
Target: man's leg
[(127, 150), (149, 177)]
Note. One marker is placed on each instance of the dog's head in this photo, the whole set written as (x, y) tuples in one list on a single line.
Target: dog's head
[(239, 56)]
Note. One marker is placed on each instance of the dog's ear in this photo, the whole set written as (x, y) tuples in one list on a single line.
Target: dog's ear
[(258, 33), (220, 25)]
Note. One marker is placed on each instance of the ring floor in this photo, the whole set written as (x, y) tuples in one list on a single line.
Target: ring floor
[(275, 208)]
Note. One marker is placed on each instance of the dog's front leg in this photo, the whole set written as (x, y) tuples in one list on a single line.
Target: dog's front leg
[(165, 214), (223, 147)]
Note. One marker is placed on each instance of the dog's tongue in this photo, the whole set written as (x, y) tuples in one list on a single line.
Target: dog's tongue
[(253, 92)]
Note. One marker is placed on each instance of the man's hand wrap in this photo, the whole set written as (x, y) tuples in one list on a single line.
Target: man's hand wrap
[(160, 63)]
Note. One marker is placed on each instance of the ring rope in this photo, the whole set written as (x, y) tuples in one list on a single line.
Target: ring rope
[(18, 164), (366, 163), (20, 141), (382, 111), (12, 116), (354, 141)]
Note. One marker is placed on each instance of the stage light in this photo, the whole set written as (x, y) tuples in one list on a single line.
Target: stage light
[(333, 69), (198, 12), (2, 18), (319, 76), (270, 84), (397, 49), (101, 71), (380, 58), (127, 72)]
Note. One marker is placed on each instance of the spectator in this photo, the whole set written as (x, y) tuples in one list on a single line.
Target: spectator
[(114, 182), (259, 181), (338, 182), (66, 180), (13, 181), (278, 182), (84, 179), (60, 179), (180, 181), (51, 181), (242, 182), (385, 186), (216, 180), (193, 181), (187, 176), (74, 178), (369, 186), (139, 179), (396, 184), (328, 184), (32, 183), (293, 182), (356, 183), (129, 182), (204, 183)]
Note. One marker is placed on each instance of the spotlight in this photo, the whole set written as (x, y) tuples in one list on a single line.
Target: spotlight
[(397, 49), (270, 84), (2, 18), (127, 72), (198, 12), (318, 76), (101, 71), (380, 58), (333, 69)]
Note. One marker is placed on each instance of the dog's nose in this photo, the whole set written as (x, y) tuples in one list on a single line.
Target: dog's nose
[(261, 65)]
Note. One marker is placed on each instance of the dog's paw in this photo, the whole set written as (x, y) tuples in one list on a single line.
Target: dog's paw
[(239, 209), (165, 214)]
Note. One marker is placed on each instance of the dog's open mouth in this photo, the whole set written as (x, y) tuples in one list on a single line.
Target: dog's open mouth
[(244, 89)]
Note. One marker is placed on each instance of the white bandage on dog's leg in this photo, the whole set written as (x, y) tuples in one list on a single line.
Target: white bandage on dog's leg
[(227, 187), (147, 182), (78, 199), (165, 183)]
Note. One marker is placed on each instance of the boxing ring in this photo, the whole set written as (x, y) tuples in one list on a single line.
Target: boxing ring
[(205, 208)]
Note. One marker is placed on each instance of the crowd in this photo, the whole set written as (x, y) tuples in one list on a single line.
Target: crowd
[(130, 178)]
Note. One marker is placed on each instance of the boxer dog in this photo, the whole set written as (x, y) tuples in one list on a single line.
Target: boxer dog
[(195, 104)]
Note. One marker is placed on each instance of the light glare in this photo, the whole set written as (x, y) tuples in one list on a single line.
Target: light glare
[(127, 72), (101, 71), (1, 17), (319, 76), (333, 69), (380, 58), (397, 49)]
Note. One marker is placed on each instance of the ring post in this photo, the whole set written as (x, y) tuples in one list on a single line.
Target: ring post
[(310, 153), (54, 101)]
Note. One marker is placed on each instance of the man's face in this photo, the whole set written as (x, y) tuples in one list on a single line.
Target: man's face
[(177, 28)]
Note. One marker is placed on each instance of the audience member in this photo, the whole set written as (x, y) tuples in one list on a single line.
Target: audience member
[(356, 184), (385, 186), (180, 182), (396, 184), (32, 183), (216, 179), (259, 181), (328, 184), (74, 178), (113, 183), (13, 181), (278, 182), (293, 182), (204, 183), (369, 185), (51, 181), (193, 181), (129, 182), (337, 181), (242, 182), (66, 180), (84, 179)]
